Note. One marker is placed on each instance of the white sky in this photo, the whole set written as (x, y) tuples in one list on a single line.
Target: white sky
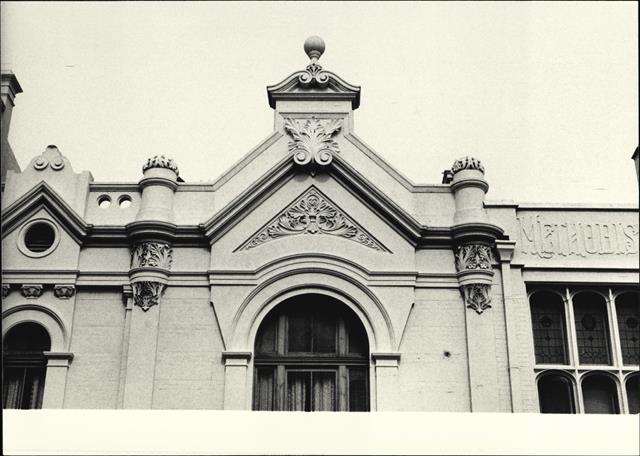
[(545, 94)]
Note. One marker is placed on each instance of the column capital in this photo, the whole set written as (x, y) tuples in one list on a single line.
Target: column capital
[(505, 250), (236, 358), (386, 359), (58, 359)]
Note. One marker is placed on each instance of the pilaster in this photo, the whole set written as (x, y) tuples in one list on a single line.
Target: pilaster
[(55, 379), (236, 367), (387, 380)]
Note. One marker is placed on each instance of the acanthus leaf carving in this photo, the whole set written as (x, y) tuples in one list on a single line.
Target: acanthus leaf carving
[(160, 161), (152, 254), (146, 294), (477, 296), (467, 163), (473, 256), (312, 141), (5, 290), (311, 214)]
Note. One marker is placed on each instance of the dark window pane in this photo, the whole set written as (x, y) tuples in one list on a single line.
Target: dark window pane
[(323, 398), (27, 337), (324, 333), (633, 394), (358, 394), (549, 337), (299, 391), (628, 311), (599, 395), (356, 335), (264, 394), (556, 394), (299, 332), (266, 338), (24, 366), (591, 328)]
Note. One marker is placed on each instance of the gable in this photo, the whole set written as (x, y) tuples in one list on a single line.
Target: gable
[(312, 213)]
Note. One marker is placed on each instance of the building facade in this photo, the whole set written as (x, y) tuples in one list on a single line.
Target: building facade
[(311, 276)]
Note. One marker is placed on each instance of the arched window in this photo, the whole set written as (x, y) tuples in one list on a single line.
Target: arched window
[(592, 328), (311, 354), (549, 335), (24, 366), (555, 392), (600, 394), (633, 393), (628, 311)]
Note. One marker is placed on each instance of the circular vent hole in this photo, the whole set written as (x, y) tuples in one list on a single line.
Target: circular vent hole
[(39, 237), (104, 201), (124, 202)]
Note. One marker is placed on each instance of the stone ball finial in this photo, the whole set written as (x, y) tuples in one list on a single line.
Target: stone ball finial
[(314, 47)]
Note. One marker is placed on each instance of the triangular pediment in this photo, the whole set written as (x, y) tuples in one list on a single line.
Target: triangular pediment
[(42, 196), (312, 214)]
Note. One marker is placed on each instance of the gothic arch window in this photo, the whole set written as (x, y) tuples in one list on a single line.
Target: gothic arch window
[(24, 367), (600, 394), (633, 393), (549, 328), (555, 392), (628, 312), (592, 328), (311, 354)]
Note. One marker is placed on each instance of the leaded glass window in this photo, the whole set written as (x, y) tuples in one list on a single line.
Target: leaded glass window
[(550, 340), (311, 354), (628, 311), (555, 392), (600, 395), (24, 367), (633, 393), (592, 331)]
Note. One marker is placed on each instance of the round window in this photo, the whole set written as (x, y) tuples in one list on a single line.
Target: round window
[(38, 238)]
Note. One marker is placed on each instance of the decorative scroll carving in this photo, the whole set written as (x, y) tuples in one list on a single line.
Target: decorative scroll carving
[(5, 290), (64, 291), (152, 254), (467, 163), (473, 256), (313, 75), (160, 161), (477, 296), (548, 237), (31, 291), (146, 294), (312, 140), (313, 213)]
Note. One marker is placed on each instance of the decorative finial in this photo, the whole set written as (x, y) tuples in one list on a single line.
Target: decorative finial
[(314, 47)]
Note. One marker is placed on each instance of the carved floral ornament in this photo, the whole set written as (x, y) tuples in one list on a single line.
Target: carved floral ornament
[(312, 214), (473, 256), (160, 161), (479, 258), (467, 163), (31, 291), (312, 142), (64, 291), (146, 294), (477, 296), (152, 254)]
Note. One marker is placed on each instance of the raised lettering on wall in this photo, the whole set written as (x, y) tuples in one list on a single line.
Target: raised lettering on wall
[(547, 237)]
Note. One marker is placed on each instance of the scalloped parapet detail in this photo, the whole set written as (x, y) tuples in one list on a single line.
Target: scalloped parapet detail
[(467, 163), (160, 161)]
